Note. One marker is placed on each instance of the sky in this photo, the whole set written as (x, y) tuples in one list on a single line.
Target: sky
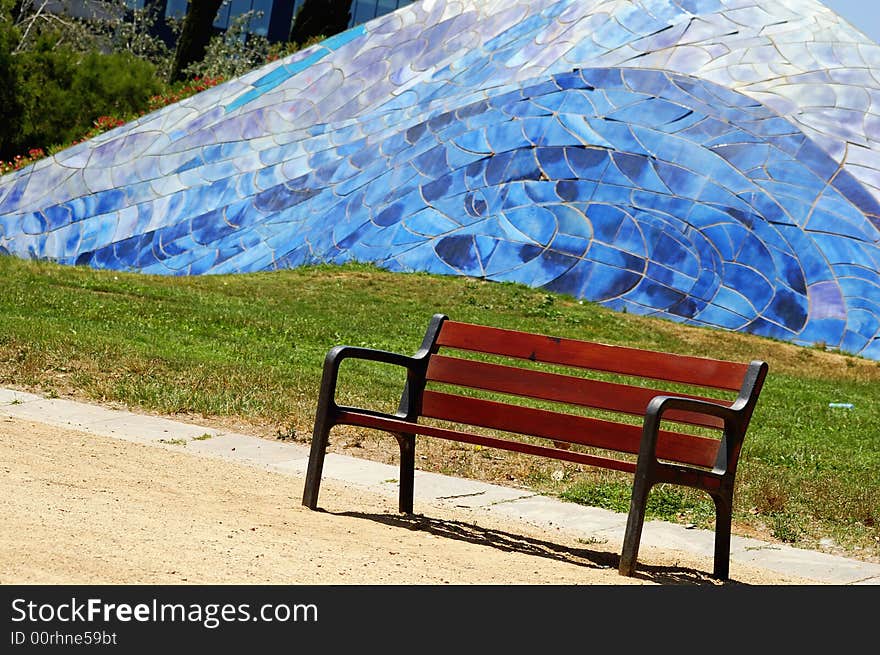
[(864, 15)]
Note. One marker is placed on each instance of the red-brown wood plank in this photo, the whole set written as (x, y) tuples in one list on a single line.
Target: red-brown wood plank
[(673, 446), (560, 388), (600, 357), (399, 425)]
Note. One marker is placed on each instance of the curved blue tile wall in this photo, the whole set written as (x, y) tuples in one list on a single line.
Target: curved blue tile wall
[(710, 162)]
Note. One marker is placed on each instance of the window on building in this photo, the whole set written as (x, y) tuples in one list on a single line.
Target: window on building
[(175, 9), (364, 10), (361, 12), (385, 6), (259, 22)]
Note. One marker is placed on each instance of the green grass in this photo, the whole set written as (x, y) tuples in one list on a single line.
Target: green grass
[(251, 347)]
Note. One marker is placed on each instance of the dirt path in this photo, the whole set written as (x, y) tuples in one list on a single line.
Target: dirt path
[(78, 508)]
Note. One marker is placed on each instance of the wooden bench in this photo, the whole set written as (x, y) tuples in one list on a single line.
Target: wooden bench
[(652, 454)]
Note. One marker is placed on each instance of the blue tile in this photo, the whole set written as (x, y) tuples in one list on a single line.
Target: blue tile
[(744, 156), (709, 277), (678, 180), (818, 160), (638, 169), (606, 221), (429, 223), (441, 186), (570, 221), (787, 309), (750, 282), (475, 205), (856, 193), (872, 349), (750, 251), (858, 288), (575, 102), (570, 245), (575, 190), (617, 135), (658, 296), (658, 204), (601, 253), (540, 192), (669, 249), (587, 163), (853, 342), (505, 136), (537, 224), (854, 270), (864, 323), (826, 330), (765, 328), (573, 281), (280, 197)]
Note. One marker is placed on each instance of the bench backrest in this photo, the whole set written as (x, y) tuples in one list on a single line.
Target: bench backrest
[(446, 367)]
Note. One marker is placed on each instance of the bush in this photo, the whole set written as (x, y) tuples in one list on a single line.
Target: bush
[(118, 84), (104, 123), (63, 91)]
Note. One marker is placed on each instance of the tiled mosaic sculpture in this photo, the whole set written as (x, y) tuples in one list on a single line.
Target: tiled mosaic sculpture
[(715, 162)]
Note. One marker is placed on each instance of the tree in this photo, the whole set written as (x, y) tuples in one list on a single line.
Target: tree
[(320, 18), (34, 18), (147, 35), (10, 105), (233, 52), (195, 35)]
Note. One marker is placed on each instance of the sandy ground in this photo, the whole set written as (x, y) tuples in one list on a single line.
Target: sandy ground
[(81, 509)]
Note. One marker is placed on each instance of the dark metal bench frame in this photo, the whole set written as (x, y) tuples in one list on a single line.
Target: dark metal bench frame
[(662, 456)]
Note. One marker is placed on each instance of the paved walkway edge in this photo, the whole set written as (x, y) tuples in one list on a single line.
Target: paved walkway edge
[(587, 522)]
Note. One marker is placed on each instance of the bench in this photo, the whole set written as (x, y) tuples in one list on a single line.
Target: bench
[(650, 452)]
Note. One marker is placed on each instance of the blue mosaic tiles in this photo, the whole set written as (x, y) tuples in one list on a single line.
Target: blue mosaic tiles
[(713, 162)]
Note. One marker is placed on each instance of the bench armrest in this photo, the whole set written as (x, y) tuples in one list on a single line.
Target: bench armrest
[(340, 353), (735, 421), (660, 404), (415, 367)]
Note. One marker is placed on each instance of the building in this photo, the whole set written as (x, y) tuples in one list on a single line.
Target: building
[(364, 10), (273, 18)]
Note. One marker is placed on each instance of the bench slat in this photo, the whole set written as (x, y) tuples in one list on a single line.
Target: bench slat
[(399, 425), (587, 431), (559, 388), (600, 357)]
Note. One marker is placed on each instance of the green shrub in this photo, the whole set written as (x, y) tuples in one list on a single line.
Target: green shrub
[(117, 84), (63, 91)]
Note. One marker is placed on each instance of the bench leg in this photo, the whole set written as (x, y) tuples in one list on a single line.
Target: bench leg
[(320, 438), (634, 523), (723, 518), (407, 471)]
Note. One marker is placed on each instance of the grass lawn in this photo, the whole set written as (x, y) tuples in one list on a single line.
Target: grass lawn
[(249, 349)]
